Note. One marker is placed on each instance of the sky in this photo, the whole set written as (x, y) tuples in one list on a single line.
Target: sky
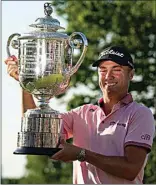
[(16, 16)]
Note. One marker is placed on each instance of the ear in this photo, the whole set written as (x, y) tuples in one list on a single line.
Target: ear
[(131, 74)]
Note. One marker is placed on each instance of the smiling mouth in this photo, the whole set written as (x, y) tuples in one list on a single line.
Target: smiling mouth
[(110, 84)]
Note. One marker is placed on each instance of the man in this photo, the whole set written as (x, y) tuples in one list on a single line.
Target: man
[(111, 140)]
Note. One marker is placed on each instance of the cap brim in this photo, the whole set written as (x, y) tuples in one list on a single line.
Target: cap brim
[(97, 62)]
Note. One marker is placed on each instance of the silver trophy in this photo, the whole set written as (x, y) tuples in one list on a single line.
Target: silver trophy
[(45, 67)]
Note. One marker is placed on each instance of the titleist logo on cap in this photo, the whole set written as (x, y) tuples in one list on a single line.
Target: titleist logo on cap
[(112, 52)]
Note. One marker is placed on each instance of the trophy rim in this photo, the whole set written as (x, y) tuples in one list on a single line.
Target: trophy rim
[(36, 151)]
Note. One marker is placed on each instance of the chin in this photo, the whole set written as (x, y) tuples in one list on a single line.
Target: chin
[(112, 91)]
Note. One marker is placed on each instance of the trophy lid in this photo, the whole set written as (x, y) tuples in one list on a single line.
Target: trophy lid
[(46, 27), (47, 23)]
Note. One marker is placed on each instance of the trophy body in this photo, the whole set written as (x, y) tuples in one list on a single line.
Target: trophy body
[(45, 68)]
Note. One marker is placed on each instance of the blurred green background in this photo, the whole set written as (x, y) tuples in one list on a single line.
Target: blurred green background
[(105, 23)]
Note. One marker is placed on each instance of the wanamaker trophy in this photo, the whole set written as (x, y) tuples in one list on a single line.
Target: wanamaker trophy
[(45, 65)]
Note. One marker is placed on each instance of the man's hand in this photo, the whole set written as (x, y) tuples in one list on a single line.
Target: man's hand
[(68, 153), (12, 69)]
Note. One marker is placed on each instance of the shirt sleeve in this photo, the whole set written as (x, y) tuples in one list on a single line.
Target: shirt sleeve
[(66, 130), (141, 129)]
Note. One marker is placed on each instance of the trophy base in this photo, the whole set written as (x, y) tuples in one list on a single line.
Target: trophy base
[(36, 151)]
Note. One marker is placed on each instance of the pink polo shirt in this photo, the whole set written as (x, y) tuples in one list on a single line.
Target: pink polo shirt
[(129, 123)]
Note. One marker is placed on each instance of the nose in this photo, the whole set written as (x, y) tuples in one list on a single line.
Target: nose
[(109, 74)]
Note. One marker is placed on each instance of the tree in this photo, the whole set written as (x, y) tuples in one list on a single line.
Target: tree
[(107, 23), (10, 181), (42, 170), (150, 171)]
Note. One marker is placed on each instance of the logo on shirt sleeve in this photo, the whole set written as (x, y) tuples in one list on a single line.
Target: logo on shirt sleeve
[(145, 137)]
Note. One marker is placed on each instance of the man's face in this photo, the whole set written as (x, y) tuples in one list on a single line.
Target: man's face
[(114, 78)]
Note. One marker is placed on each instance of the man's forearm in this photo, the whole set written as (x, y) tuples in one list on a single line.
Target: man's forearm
[(117, 166), (27, 101)]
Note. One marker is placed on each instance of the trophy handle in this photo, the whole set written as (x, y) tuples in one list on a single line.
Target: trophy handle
[(76, 44), (14, 43)]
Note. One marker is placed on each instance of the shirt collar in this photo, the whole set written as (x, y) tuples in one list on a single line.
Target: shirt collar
[(125, 100)]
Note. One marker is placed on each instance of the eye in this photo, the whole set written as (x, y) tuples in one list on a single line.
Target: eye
[(102, 69), (117, 69)]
